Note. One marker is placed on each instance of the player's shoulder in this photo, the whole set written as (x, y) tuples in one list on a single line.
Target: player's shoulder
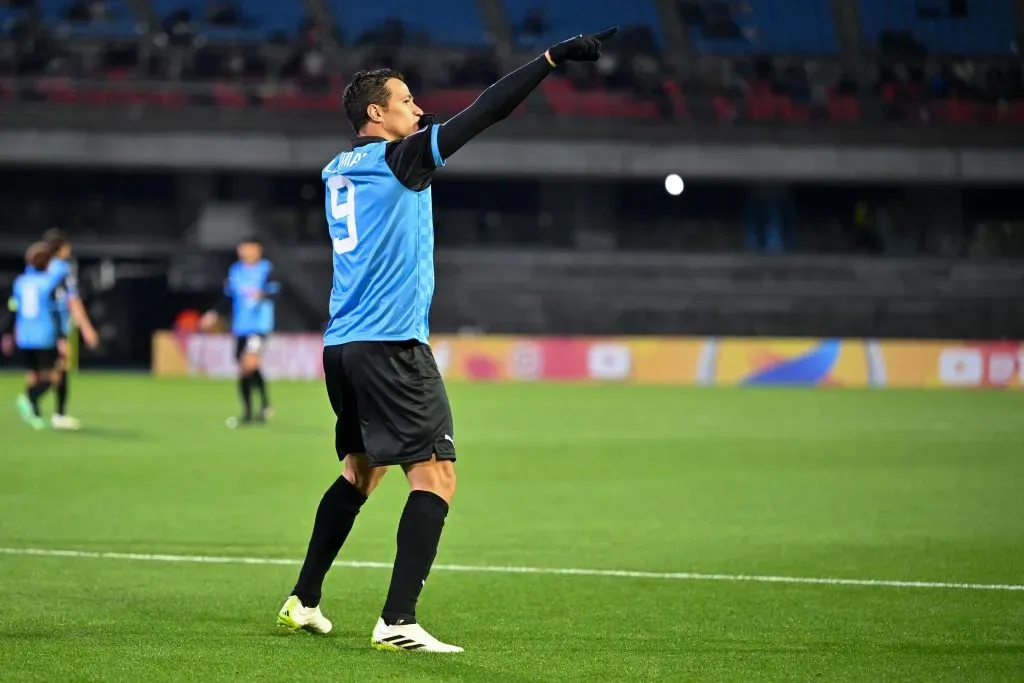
[(359, 156)]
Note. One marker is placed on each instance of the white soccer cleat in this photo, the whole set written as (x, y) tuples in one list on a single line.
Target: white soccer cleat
[(294, 616), (410, 637), (65, 422)]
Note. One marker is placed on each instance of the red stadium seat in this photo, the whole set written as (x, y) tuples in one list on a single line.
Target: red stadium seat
[(229, 96), (843, 109), (285, 100), (961, 111), (725, 110), (760, 108), (675, 95), (169, 99), (788, 110)]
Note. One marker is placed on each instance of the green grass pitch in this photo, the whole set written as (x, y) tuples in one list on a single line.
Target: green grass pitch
[(889, 485)]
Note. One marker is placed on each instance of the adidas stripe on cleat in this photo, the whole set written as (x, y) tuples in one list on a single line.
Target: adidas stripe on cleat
[(407, 637)]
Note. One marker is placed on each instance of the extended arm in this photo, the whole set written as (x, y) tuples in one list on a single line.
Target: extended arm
[(498, 101), (494, 104), (414, 158)]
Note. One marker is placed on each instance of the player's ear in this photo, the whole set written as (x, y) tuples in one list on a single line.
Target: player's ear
[(374, 113)]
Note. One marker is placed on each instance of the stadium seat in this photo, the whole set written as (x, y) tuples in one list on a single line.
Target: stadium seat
[(843, 108), (788, 110), (260, 18), (776, 26), (760, 107), (680, 107), (565, 100), (448, 22), (569, 17), (987, 29)]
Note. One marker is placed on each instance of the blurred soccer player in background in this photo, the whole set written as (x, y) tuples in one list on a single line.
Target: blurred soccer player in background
[(32, 325), (383, 383), (249, 290), (73, 316)]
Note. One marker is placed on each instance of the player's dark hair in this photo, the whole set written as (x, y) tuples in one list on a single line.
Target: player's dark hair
[(366, 88), (38, 255), (54, 239)]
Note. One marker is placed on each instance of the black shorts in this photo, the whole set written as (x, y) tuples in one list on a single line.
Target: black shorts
[(39, 360), (390, 402), (250, 343)]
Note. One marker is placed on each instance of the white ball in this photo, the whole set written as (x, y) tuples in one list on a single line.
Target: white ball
[(674, 184)]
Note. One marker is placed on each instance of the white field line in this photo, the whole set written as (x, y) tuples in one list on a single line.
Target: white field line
[(498, 569)]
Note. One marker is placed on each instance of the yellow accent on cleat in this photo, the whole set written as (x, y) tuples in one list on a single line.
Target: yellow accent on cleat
[(295, 616), (284, 617)]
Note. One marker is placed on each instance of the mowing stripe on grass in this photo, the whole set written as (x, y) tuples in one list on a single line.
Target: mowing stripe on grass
[(498, 569)]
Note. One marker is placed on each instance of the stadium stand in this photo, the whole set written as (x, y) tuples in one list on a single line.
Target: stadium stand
[(251, 21), (983, 27), (541, 24), (442, 22), (761, 61), (81, 18), (762, 26)]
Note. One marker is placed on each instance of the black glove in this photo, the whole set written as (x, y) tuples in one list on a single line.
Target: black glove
[(581, 48)]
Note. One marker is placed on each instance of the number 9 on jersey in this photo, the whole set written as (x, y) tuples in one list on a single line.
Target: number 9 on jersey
[(343, 209)]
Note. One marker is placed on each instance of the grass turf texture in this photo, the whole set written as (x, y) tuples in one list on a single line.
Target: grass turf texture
[(844, 484)]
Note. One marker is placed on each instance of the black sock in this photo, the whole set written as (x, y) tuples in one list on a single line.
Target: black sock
[(261, 386), (245, 390), (36, 392), (419, 533), (334, 519), (62, 394)]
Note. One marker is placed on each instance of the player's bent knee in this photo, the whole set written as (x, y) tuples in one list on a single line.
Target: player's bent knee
[(359, 473), (436, 476)]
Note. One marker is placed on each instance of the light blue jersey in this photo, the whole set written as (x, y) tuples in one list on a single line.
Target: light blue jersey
[(382, 233), (65, 292), (251, 291), (33, 302)]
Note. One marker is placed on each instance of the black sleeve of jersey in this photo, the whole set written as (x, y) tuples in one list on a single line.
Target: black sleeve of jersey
[(493, 105), (412, 160)]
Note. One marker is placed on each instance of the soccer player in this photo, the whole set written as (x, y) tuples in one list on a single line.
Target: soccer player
[(250, 292), (35, 323), (382, 380), (72, 315)]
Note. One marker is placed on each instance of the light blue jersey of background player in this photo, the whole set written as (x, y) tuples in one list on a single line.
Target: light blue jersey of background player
[(249, 291)]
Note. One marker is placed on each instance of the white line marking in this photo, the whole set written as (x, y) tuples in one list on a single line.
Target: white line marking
[(617, 573)]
